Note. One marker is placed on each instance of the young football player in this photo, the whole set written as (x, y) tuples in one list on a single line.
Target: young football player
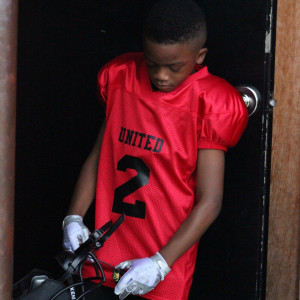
[(159, 156)]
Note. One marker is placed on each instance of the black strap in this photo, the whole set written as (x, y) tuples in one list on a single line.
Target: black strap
[(94, 242), (111, 230)]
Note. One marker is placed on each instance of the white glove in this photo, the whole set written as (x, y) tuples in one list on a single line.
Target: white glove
[(143, 275), (74, 231)]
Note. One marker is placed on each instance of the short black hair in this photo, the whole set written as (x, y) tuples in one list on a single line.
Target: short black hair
[(175, 21)]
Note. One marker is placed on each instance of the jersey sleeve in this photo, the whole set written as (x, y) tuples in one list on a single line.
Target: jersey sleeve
[(116, 72), (109, 75), (222, 119), (102, 81)]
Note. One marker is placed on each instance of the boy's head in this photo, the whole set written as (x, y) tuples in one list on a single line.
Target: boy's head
[(176, 21), (174, 35)]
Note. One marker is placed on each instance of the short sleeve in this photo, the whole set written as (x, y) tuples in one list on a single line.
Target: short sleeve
[(222, 119), (115, 73), (102, 81)]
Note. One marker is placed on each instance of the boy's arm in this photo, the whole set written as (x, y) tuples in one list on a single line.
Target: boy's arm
[(85, 187), (210, 177), (74, 230), (144, 274)]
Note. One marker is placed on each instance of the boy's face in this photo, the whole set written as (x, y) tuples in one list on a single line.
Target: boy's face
[(169, 65)]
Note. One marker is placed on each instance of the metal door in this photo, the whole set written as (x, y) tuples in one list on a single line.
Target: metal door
[(232, 254)]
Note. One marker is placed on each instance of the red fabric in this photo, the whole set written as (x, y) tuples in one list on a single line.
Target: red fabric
[(158, 133)]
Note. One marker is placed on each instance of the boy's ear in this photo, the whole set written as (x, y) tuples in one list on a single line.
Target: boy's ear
[(201, 55)]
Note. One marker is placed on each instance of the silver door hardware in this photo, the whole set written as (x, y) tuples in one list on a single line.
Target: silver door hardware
[(251, 97), (273, 102)]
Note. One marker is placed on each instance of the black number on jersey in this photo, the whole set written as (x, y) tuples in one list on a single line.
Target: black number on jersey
[(137, 210)]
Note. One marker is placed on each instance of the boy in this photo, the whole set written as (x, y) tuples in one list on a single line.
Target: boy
[(168, 124)]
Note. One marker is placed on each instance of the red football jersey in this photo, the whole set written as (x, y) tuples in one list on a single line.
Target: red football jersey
[(147, 165)]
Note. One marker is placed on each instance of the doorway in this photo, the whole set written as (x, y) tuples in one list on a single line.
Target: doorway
[(62, 45)]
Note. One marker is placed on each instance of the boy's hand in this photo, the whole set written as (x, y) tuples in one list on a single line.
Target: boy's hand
[(143, 275), (74, 231)]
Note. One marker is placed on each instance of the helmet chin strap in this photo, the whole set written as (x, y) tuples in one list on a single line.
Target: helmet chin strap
[(71, 262)]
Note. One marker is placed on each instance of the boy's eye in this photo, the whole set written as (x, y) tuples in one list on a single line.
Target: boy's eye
[(176, 68), (173, 68), (149, 63)]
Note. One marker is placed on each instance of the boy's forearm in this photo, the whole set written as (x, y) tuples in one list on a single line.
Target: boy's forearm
[(210, 178), (191, 230), (84, 192)]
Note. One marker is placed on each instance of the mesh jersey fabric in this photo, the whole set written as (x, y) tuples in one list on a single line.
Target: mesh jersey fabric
[(148, 160)]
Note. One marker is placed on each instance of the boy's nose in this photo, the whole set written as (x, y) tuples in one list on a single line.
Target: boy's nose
[(161, 74)]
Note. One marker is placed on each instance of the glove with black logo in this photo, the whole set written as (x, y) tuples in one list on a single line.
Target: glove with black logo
[(143, 275)]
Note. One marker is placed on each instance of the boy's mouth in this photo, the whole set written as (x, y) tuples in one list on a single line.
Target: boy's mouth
[(164, 87)]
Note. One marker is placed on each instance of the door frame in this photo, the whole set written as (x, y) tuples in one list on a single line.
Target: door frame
[(284, 235)]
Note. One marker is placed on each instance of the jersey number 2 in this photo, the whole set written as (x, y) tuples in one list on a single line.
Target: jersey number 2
[(137, 210)]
